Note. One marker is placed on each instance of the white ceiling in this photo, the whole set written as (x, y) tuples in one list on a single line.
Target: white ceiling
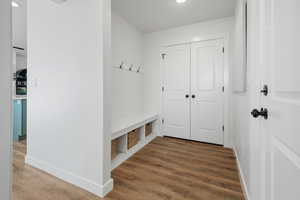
[(154, 15), (146, 15), (19, 25)]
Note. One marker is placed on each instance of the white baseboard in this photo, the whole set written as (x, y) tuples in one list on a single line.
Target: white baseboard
[(107, 188), (242, 177), (95, 188)]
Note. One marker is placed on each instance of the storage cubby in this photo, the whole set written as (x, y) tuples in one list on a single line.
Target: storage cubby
[(133, 138), (148, 129), (118, 146), (114, 148)]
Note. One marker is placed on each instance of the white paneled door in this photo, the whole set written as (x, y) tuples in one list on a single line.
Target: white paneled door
[(207, 77), (280, 31), (176, 89), (193, 91)]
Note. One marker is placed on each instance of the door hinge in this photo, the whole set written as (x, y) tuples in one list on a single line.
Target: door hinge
[(163, 56), (223, 50), (223, 89), (223, 128), (163, 89)]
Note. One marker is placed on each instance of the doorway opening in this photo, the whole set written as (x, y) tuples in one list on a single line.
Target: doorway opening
[(19, 82), (171, 68)]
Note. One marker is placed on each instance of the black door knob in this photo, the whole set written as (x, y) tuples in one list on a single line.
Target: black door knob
[(263, 112), (193, 96), (187, 96), (255, 113)]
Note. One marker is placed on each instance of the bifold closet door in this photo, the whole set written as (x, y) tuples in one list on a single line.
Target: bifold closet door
[(176, 86), (207, 79)]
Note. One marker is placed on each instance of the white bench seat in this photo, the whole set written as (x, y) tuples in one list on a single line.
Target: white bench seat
[(127, 125)]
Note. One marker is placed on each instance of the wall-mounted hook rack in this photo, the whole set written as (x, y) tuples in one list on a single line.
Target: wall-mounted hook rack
[(122, 66)]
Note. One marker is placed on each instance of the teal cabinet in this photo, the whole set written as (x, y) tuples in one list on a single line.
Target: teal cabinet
[(19, 119)]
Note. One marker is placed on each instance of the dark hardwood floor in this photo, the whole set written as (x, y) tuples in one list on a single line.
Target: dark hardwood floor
[(166, 169)]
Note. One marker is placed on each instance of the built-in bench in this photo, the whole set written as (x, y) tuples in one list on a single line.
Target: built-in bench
[(130, 135)]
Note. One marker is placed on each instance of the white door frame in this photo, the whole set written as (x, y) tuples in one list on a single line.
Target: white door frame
[(5, 100), (227, 79)]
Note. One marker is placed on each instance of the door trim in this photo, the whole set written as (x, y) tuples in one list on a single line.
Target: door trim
[(227, 142), (6, 101)]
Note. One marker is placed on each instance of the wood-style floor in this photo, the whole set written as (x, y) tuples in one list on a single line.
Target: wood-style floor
[(166, 169)]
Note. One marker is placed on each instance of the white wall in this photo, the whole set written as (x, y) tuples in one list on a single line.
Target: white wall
[(127, 87), (241, 131), (6, 99), (153, 46), (68, 130), (239, 70), (247, 138), (19, 17), (241, 102), (21, 61)]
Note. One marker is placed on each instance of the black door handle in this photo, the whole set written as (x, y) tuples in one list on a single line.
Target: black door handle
[(193, 96), (187, 96), (265, 90), (263, 112)]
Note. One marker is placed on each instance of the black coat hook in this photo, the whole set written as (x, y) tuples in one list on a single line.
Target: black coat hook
[(131, 67), (121, 65)]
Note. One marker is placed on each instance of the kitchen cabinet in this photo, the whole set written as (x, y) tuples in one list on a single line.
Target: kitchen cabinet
[(19, 119)]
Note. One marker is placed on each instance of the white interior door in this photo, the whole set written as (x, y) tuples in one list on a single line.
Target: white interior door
[(281, 32), (207, 81), (176, 109)]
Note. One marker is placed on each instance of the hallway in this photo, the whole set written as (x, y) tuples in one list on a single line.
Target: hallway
[(166, 168)]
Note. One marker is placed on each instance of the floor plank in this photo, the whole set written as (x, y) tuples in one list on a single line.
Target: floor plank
[(166, 169)]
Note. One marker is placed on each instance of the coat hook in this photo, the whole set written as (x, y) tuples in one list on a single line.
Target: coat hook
[(121, 65), (139, 69), (131, 67)]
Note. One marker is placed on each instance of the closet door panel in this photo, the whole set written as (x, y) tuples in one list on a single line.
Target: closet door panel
[(206, 87), (176, 108)]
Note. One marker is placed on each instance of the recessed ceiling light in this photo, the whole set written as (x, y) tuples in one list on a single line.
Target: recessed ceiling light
[(14, 4), (180, 1)]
